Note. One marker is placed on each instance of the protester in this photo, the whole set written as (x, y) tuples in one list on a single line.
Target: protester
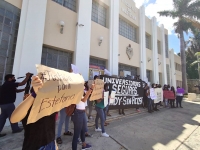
[(153, 86), (145, 97), (7, 99), (100, 114), (86, 129), (80, 123), (172, 100), (90, 104), (155, 104), (159, 86), (106, 108), (63, 118), (165, 88), (121, 111), (39, 135), (179, 98), (150, 110)]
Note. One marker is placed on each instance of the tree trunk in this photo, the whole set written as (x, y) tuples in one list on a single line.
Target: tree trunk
[(183, 62)]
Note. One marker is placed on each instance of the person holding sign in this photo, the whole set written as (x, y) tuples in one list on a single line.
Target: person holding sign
[(80, 122), (172, 100), (100, 114), (106, 107), (40, 134), (165, 88), (179, 97), (150, 110)]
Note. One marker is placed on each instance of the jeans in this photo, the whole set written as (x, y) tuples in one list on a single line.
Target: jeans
[(100, 114), (152, 104), (63, 117), (50, 146), (86, 128), (80, 123), (90, 105), (6, 112), (179, 100), (149, 104), (172, 103), (166, 102)]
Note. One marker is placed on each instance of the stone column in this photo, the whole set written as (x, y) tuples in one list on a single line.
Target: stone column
[(114, 37), (82, 52), (142, 36), (30, 38), (163, 53), (155, 50)]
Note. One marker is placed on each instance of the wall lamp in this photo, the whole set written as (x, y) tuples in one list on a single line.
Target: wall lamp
[(62, 24), (100, 40), (149, 59)]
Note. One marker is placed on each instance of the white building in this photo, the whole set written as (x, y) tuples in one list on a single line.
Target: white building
[(96, 35)]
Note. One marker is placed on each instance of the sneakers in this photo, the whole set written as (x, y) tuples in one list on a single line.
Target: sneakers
[(88, 146), (89, 117), (98, 130), (59, 140), (2, 135), (104, 134), (20, 130), (79, 141)]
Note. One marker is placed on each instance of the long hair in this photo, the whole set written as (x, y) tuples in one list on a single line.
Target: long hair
[(86, 85), (106, 86), (172, 89)]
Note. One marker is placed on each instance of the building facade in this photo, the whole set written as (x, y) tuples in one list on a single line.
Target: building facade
[(92, 34)]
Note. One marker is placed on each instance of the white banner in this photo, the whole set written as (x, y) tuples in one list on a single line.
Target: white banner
[(159, 95)]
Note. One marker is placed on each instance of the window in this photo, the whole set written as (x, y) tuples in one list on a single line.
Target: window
[(148, 75), (98, 62), (168, 74), (166, 46), (132, 69), (127, 30), (148, 42), (177, 67), (178, 83), (99, 13), (9, 24), (70, 4), (159, 47), (56, 59)]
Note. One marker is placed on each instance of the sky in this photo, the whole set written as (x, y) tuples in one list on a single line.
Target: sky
[(152, 7)]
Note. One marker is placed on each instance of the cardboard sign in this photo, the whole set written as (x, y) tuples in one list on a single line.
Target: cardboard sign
[(129, 93), (98, 90), (180, 91), (153, 94), (106, 98), (90, 82), (159, 95), (60, 90), (168, 95), (112, 97)]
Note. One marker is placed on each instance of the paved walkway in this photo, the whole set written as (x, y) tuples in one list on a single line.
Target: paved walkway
[(168, 129)]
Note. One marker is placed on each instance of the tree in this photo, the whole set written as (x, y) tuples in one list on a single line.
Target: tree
[(182, 10), (193, 55)]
